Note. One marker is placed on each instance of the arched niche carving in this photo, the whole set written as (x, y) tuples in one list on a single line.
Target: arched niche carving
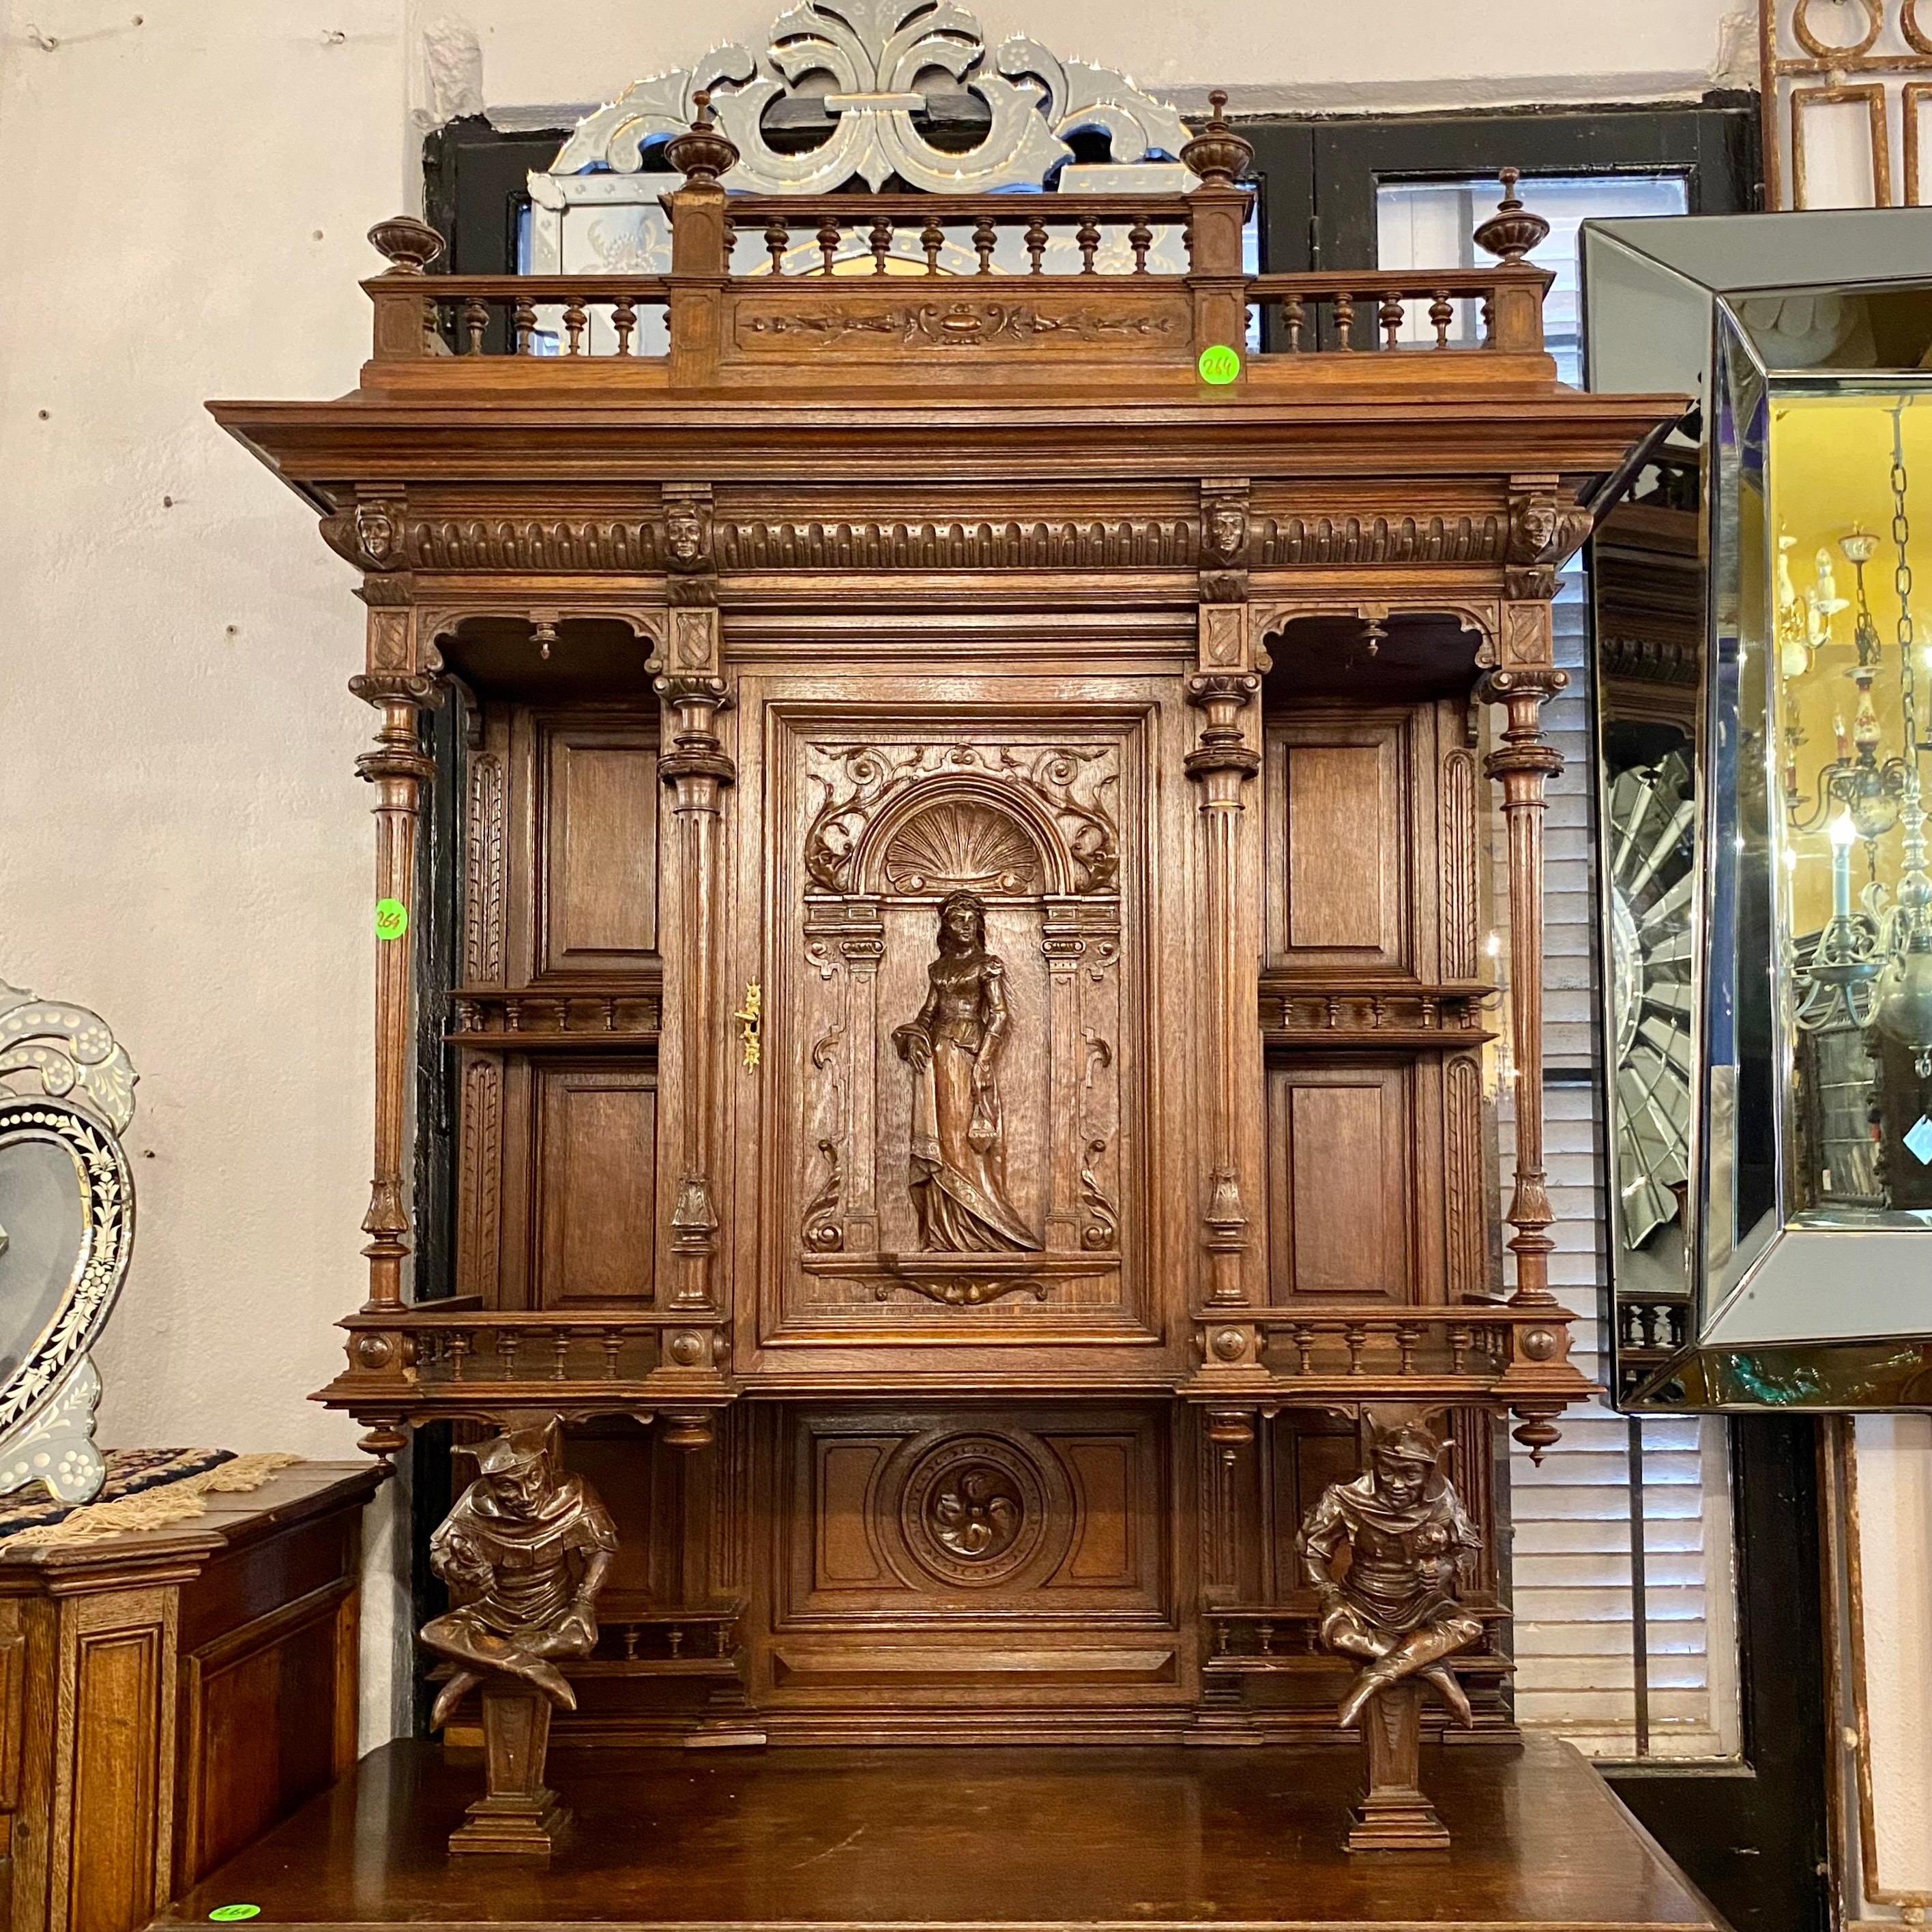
[(972, 833)]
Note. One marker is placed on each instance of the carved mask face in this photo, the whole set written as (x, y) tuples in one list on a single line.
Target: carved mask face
[(1226, 528), (684, 530), (1539, 526), (376, 534)]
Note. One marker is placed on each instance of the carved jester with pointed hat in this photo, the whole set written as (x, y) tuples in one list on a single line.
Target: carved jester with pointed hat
[(529, 1547), (1396, 1607)]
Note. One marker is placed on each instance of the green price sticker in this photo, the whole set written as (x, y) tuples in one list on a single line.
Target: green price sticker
[(392, 921), (226, 1914), (1218, 363)]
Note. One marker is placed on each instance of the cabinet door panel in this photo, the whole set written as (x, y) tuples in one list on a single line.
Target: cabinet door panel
[(1339, 891), (596, 1132), (599, 850), (1341, 1208)]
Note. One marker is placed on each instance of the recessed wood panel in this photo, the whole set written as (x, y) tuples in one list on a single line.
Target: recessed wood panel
[(599, 850), (945, 1514), (116, 1774), (252, 1710), (1338, 865), (596, 1169), (1340, 1198)]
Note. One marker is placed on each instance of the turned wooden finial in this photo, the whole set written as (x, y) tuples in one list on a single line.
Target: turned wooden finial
[(703, 151), (1513, 231), (410, 245), (1219, 155)]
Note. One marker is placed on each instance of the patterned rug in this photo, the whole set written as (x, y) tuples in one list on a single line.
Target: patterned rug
[(129, 1472)]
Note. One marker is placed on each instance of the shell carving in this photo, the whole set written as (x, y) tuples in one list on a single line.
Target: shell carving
[(956, 847)]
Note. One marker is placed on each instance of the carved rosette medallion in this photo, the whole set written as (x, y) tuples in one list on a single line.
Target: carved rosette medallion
[(973, 1511)]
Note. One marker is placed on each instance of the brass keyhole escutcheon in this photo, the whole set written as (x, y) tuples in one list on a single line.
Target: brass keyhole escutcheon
[(748, 1017)]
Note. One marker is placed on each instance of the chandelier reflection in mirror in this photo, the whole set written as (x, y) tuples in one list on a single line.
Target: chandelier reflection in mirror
[(1857, 963)]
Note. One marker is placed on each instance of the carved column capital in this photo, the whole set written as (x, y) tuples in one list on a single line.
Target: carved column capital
[(1224, 757)]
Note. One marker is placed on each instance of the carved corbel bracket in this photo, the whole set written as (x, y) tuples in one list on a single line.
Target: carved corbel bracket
[(1224, 542), (1544, 533), (371, 535), (688, 546)]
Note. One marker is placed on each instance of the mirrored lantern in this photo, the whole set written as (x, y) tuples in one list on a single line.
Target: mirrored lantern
[(1763, 696)]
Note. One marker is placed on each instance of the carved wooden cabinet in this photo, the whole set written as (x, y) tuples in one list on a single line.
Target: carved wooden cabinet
[(978, 1039)]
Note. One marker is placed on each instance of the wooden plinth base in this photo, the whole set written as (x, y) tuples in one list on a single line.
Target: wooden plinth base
[(518, 1816), (997, 1839), (1393, 1816)]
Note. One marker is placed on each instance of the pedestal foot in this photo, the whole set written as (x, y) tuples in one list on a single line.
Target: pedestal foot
[(518, 1815), (1393, 1815)]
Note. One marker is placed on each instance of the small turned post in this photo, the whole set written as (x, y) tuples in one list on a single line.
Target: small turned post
[(398, 767), (1217, 212), (404, 313), (1523, 764), (700, 247), (1515, 314)]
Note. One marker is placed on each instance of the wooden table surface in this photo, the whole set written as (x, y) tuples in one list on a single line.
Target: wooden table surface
[(967, 1838)]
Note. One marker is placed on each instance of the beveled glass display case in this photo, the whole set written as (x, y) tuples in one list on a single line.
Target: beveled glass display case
[(1763, 704)]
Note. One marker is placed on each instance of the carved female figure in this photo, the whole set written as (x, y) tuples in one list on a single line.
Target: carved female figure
[(952, 1044)]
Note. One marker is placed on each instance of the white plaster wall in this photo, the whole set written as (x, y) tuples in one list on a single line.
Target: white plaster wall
[(183, 844)]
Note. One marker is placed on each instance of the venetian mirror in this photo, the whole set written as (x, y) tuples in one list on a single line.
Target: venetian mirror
[(67, 1231)]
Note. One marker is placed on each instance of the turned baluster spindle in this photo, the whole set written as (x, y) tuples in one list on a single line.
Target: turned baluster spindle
[(631, 1635), (1294, 319), (881, 241), (506, 1354), (1489, 322), (1140, 239), (523, 323), (1036, 246), (1345, 321), (778, 235), (559, 1353), (573, 321), (1304, 1347), (721, 1640), (986, 239), (624, 320), (674, 1639), (1459, 1349), (1441, 313), (1407, 1335), (459, 1347), (932, 239), (1088, 236), (475, 319), (1357, 1335), (1264, 1634), (829, 238), (1390, 318), (426, 1339), (613, 1344)]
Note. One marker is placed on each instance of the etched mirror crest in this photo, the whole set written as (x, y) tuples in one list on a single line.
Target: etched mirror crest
[(66, 1232)]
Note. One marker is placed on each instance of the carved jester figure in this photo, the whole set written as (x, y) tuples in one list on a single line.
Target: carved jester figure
[(526, 1550), (952, 1044), (1396, 1607)]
